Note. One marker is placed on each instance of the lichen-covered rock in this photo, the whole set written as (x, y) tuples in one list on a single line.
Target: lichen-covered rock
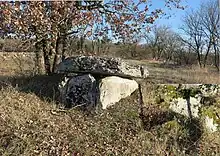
[(112, 89), (193, 100), (79, 90), (211, 117), (210, 124), (188, 107), (210, 89), (102, 66)]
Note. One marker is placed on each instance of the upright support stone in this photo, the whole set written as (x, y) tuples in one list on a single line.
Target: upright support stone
[(79, 90), (84, 90), (112, 89), (113, 80)]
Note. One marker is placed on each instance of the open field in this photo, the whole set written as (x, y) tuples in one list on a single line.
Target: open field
[(159, 73), (165, 73), (32, 122)]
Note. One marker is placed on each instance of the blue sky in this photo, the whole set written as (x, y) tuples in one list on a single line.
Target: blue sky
[(175, 21)]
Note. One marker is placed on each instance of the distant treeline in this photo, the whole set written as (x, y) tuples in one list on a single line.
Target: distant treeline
[(79, 46)]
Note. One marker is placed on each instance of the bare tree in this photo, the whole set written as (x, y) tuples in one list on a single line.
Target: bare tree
[(210, 16), (164, 43), (173, 46), (193, 29), (157, 40), (202, 30)]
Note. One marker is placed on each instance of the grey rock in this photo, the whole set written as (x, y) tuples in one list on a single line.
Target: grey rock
[(210, 125), (195, 101), (210, 89), (113, 89), (87, 91), (78, 91), (188, 107), (102, 66)]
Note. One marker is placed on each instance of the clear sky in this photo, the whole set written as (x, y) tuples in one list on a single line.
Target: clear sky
[(175, 21)]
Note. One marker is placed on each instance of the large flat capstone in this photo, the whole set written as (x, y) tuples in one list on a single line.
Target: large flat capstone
[(102, 66)]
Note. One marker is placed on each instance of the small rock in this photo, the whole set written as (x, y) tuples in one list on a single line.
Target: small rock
[(187, 107), (210, 125)]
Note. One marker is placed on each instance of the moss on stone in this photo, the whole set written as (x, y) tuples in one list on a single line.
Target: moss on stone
[(174, 128), (210, 105), (168, 92), (172, 124), (194, 92), (210, 89), (212, 112)]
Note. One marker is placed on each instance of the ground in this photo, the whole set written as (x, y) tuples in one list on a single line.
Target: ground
[(33, 123)]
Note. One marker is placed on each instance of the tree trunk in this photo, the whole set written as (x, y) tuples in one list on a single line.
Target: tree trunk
[(52, 54), (217, 63), (206, 55), (93, 47), (64, 48), (81, 43), (47, 65), (39, 62), (57, 57), (199, 59), (133, 51), (98, 48), (153, 54)]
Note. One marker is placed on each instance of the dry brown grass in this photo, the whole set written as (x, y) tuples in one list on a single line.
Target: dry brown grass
[(159, 73), (12, 63), (165, 73), (32, 122), (32, 126), (170, 74)]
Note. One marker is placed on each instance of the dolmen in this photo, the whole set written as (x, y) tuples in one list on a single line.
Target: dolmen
[(92, 80)]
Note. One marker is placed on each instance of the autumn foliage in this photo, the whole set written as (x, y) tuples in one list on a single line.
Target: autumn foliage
[(49, 23)]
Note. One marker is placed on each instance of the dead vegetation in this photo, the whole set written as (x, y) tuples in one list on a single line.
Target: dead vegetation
[(33, 123)]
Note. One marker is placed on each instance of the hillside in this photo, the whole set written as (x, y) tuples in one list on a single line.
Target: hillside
[(33, 123)]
